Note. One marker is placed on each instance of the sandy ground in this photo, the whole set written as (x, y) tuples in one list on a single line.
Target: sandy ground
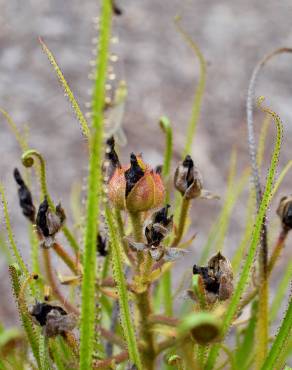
[(161, 73)]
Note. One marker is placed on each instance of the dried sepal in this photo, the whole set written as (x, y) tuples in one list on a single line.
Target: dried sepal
[(25, 197), (49, 223), (284, 211), (217, 278)]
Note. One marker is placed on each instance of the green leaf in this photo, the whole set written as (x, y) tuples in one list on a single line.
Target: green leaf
[(95, 183), (244, 276), (245, 350), (13, 245), (67, 90), (280, 341), (118, 271), (25, 317), (280, 292)]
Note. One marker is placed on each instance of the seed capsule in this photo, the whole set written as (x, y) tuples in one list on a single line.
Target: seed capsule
[(53, 319), (217, 278), (25, 197), (137, 187), (49, 223), (285, 212), (187, 179)]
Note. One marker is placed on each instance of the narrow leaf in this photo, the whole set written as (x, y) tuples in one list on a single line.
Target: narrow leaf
[(68, 91), (118, 271)]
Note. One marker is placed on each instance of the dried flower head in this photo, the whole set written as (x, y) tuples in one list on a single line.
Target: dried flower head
[(49, 223), (285, 212), (157, 227), (136, 187), (189, 182), (25, 198), (217, 278), (53, 319), (187, 179)]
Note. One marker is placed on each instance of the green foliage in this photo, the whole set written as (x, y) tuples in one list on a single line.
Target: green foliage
[(94, 193), (280, 342), (117, 261), (67, 90)]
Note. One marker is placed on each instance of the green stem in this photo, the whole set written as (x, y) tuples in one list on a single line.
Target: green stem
[(185, 206), (254, 242), (28, 161), (137, 229), (282, 337), (196, 108), (118, 271), (13, 245), (143, 299), (95, 183)]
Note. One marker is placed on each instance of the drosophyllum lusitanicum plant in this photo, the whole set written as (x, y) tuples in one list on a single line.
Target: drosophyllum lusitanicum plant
[(117, 309)]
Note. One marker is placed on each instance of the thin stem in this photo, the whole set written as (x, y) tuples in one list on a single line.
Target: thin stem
[(13, 245), (197, 102), (137, 228), (54, 285), (277, 250), (185, 206), (69, 261), (143, 299), (121, 230), (28, 161), (117, 359)]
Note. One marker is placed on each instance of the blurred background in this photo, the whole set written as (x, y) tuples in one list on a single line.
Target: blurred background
[(161, 72)]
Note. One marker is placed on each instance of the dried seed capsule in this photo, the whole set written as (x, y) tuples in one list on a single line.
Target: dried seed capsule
[(136, 187), (217, 278), (49, 223), (53, 319), (41, 310), (187, 179), (159, 226), (25, 198), (285, 212)]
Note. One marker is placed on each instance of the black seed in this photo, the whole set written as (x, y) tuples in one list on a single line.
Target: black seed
[(133, 174)]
